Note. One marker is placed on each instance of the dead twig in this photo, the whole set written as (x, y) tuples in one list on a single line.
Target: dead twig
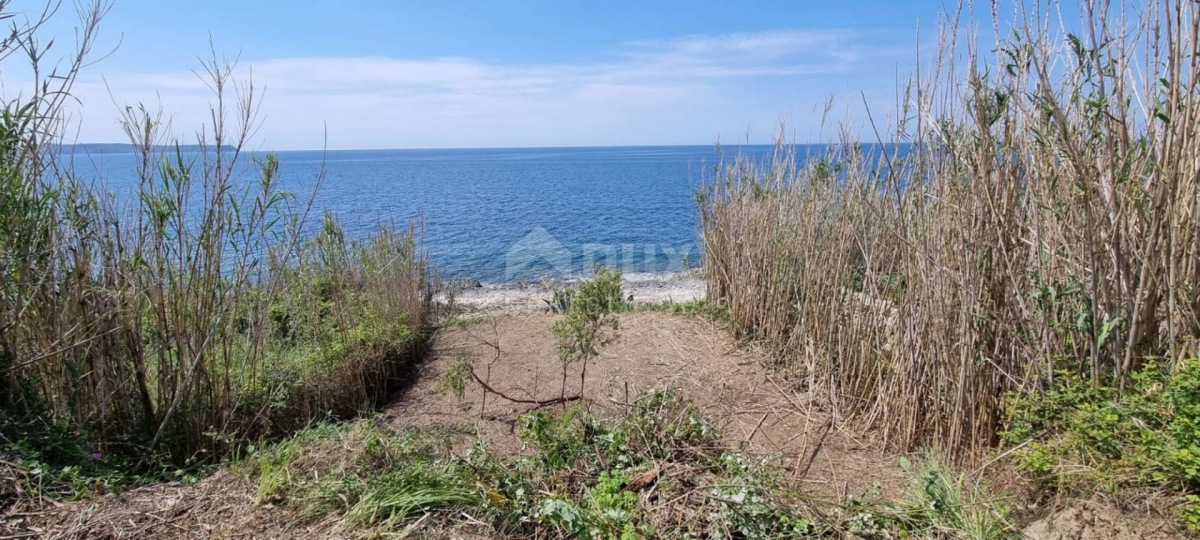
[(756, 428), (816, 450)]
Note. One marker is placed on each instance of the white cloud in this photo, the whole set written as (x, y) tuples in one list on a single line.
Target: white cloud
[(687, 90)]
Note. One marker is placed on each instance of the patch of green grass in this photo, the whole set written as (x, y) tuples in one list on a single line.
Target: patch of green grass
[(691, 308), (450, 323), (368, 474), (936, 504), (404, 494), (938, 500)]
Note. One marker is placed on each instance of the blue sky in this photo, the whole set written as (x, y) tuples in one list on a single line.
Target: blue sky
[(377, 74)]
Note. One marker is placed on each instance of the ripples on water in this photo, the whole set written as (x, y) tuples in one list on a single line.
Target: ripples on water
[(508, 214)]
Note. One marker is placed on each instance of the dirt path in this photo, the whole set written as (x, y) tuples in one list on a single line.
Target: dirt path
[(766, 410)]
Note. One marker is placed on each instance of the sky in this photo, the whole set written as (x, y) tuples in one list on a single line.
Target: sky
[(393, 74)]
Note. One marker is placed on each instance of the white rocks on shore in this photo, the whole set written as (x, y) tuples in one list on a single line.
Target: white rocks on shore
[(525, 297)]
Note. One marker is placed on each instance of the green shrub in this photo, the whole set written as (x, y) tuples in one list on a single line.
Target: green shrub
[(602, 293), (588, 323), (1148, 435)]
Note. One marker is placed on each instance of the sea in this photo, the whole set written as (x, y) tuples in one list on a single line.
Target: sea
[(504, 215)]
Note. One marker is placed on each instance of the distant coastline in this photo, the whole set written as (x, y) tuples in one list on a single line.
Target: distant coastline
[(126, 148)]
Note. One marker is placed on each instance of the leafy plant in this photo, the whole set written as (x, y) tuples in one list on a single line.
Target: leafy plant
[(1080, 436), (560, 300)]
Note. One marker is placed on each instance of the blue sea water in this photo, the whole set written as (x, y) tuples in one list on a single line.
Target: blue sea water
[(502, 215)]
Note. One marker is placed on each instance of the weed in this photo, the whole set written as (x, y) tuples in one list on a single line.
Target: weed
[(937, 501), (691, 308), (1079, 437)]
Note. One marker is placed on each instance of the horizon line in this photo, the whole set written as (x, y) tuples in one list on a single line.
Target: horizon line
[(561, 147)]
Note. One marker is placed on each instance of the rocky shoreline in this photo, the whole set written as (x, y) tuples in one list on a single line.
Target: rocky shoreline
[(473, 297)]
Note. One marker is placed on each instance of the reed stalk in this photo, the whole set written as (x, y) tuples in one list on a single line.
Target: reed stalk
[(1037, 212)]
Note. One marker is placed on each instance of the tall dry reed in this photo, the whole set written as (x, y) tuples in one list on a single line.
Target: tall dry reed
[(1039, 214)]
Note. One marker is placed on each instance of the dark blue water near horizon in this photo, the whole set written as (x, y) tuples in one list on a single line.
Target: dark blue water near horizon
[(502, 215)]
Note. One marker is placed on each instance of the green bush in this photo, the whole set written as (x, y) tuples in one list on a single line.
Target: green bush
[(600, 294), (588, 324)]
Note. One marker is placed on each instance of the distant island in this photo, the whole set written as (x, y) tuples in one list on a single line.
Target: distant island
[(126, 148)]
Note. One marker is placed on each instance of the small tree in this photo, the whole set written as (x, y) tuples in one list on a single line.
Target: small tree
[(589, 323)]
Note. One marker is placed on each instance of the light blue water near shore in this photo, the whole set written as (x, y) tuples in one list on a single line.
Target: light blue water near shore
[(501, 215)]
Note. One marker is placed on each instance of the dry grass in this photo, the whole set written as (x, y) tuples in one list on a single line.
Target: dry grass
[(1043, 216)]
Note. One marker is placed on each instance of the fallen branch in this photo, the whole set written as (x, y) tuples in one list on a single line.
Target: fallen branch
[(538, 402), (646, 479)]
